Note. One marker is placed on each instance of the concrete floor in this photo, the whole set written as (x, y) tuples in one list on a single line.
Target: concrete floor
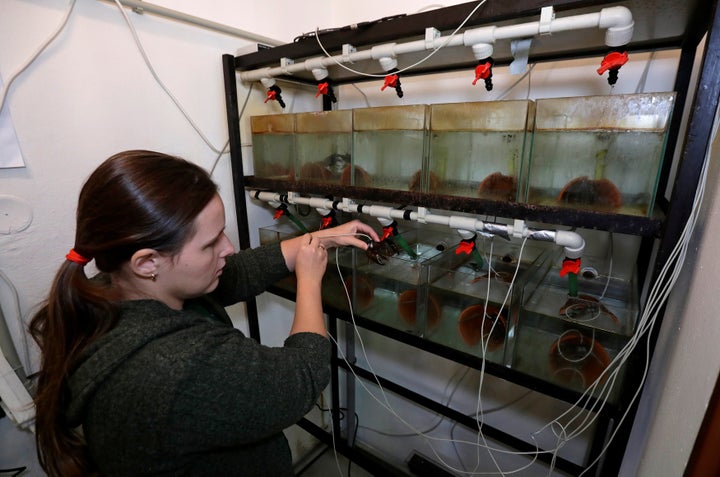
[(17, 449)]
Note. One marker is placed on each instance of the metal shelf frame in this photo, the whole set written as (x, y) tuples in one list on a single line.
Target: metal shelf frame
[(660, 24)]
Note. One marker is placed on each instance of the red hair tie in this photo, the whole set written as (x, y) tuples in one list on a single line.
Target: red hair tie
[(73, 256)]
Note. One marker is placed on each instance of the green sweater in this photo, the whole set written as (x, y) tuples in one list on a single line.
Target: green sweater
[(176, 393)]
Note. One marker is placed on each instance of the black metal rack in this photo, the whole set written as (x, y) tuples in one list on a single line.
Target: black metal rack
[(659, 24)]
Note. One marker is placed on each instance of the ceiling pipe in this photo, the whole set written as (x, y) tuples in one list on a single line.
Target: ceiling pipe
[(141, 7), (617, 21)]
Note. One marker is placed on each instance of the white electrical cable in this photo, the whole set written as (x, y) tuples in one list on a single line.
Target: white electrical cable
[(21, 323), (386, 404), (417, 63), (656, 299), (240, 115), (38, 52), (138, 43)]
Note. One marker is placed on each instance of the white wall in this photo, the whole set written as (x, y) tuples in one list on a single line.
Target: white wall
[(90, 95)]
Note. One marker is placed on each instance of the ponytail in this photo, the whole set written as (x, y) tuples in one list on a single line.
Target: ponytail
[(76, 313)]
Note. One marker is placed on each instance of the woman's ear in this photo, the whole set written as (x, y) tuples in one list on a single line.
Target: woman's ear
[(144, 262)]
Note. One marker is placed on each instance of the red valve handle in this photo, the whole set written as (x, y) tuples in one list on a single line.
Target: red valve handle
[(390, 80), (326, 221), (612, 60), (271, 95), (278, 213), (387, 232), (322, 89), (482, 71), (465, 246), (570, 266)]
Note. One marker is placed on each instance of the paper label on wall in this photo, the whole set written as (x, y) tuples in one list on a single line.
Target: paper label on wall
[(10, 155)]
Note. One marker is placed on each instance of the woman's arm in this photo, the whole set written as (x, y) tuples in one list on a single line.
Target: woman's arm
[(310, 263), (342, 235)]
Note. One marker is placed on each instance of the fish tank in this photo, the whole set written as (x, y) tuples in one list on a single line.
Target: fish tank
[(389, 147), (323, 146), (273, 138), (388, 280), (599, 153), (571, 340), (477, 149), (476, 294)]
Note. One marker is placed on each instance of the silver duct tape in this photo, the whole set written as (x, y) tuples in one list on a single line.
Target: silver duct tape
[(542, 235), (497, 229)]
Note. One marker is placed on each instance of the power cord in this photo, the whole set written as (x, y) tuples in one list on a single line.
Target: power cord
[(37, 53)]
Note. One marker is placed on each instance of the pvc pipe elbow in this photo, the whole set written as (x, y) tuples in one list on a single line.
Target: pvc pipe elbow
[(482, 51), (572, 241), (387, 63), (319, 73), (384, 221), (466, 234), (619, 24), (267, 82)]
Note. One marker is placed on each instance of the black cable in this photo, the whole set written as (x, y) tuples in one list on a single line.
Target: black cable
[(16, 471), (357, 425)]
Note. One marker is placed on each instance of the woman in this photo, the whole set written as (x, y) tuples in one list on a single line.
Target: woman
[(142, 372)]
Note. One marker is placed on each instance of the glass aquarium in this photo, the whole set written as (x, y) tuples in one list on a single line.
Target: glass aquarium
[(389, 147), (477, 292), (273, 139), (323, 145), (600, 153), (477, 149), (389, 278), (571, 340)]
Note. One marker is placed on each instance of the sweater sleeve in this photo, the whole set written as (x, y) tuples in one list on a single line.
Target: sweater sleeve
[(250, 272), (241, 392)]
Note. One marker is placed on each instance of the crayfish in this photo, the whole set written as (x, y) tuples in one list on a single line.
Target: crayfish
[(380, 252)]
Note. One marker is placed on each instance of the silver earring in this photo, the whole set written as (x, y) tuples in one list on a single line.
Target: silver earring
[(153, 276)]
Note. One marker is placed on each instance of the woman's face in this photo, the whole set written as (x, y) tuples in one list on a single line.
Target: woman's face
[(196, 270)]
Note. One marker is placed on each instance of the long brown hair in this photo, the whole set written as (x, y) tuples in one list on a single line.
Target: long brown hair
[(133, 200)]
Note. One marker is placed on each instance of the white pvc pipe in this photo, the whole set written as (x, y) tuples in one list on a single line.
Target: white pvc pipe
[(142, 7), (617, 21), (573, 242)]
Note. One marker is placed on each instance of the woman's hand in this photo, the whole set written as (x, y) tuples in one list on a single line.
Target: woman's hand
[(347, 234), (311, 259)]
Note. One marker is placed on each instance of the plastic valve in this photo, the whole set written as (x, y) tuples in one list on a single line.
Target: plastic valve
[(484, 71), (465, 246), (612, 63)]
